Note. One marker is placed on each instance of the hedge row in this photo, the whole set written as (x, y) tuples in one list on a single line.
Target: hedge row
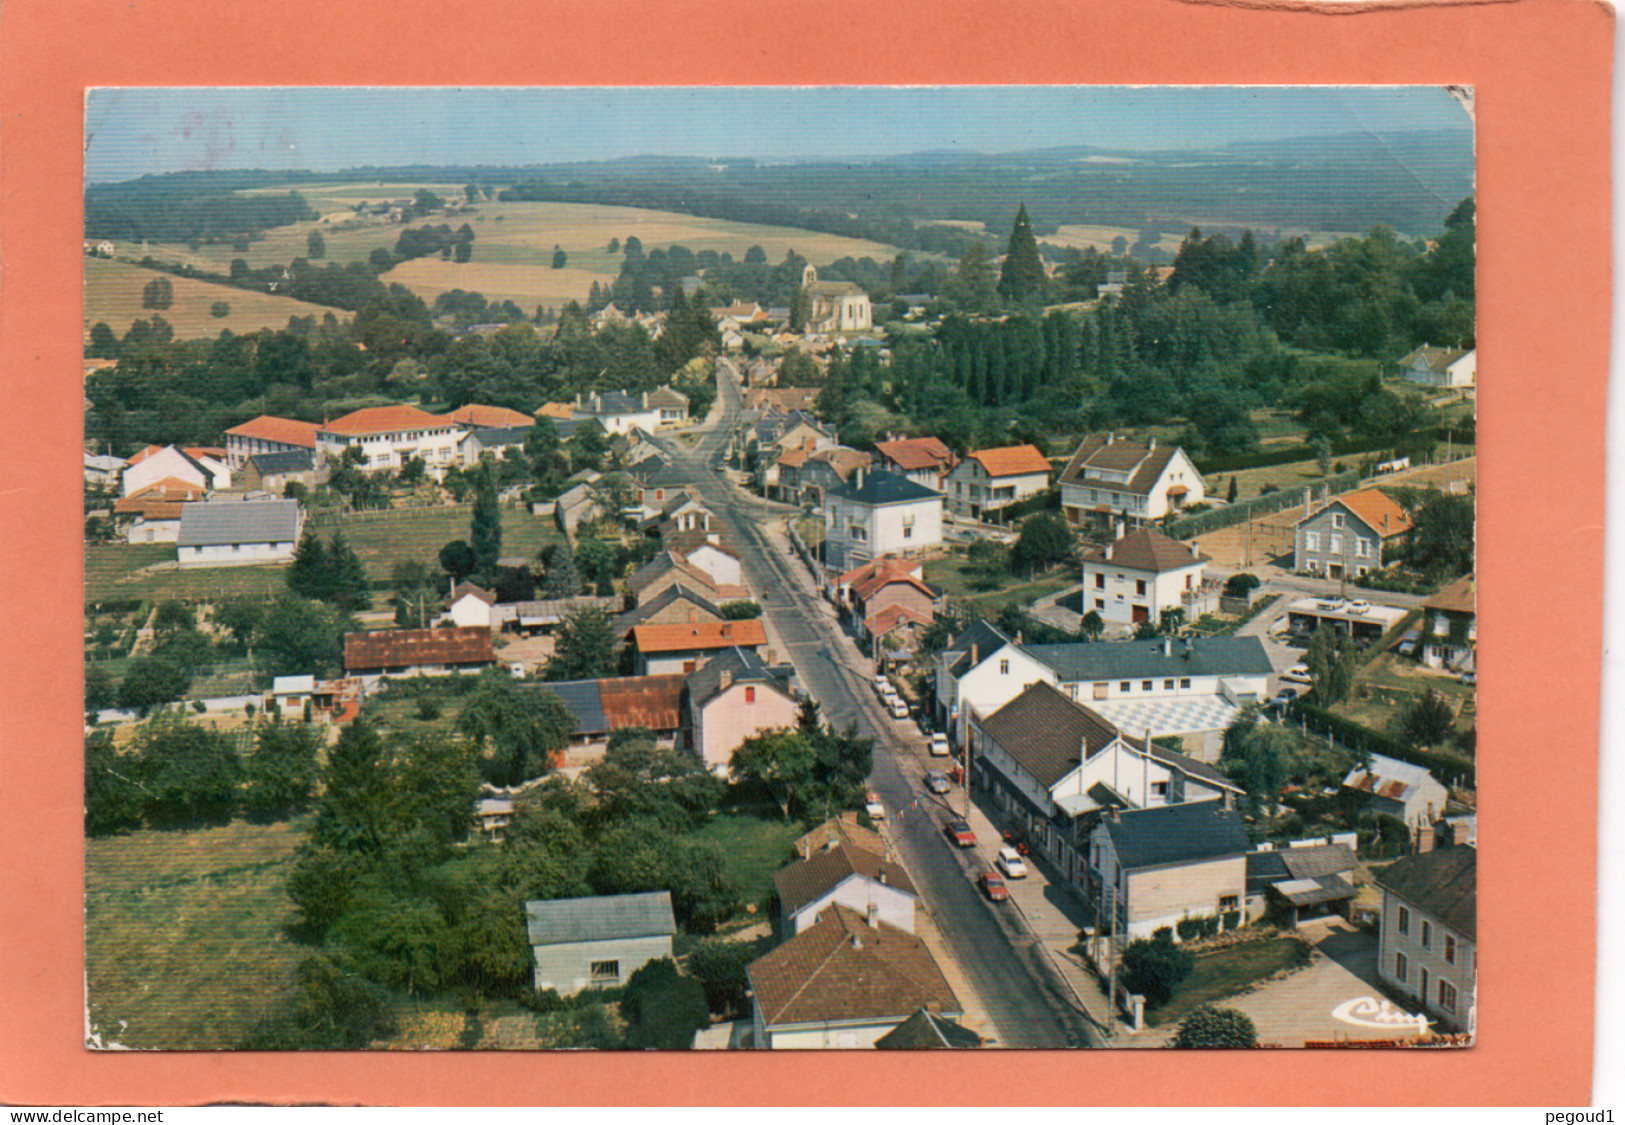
[(1279, 500), (1285, 455), (1446, 767)]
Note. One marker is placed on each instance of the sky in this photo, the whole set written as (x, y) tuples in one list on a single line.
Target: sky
[(134, 132)]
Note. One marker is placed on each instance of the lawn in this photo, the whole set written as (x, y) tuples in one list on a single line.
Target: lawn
[(113, 294), (115, 571), (1389, 683), (951, 575), (184, 946), (1225, 972), (1251, 482), (752, 849)]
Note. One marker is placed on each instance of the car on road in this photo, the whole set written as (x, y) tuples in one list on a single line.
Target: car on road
[(1016, 840), (937, 781), (993, 886), (1470, 679), (872, 806), (882, 684), (939, 745), (899, 709), (1011, 864), (1284, 696), (1297, 674), (960, 833)]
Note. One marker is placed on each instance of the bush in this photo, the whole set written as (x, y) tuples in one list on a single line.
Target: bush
[(1156, 967), (428, 708), (1210, 1027), (1240, 585), (719, 966), (1189, 928), (662, 1008), (1446, 767), (1232, 919), (740, 611)]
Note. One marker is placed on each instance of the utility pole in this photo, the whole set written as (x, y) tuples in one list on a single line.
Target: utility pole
[(1111, 958)]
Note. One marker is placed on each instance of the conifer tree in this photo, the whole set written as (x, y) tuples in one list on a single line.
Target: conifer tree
[(307, 577), (349, 588), (485, 529), (1022, 278)]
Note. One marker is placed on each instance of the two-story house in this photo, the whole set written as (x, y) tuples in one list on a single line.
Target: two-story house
[(390, 436), (1346, 535), (979, 671), (923, 460), (1111, 479), (881, 593), (879, 513), (1451, 620), (269, 434), (861, 880), (1427, 946), (1152, 867), (1134, 578), (990, 479), (730, 698)]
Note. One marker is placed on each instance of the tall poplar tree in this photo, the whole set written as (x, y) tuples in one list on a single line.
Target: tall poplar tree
[(1022, 278)]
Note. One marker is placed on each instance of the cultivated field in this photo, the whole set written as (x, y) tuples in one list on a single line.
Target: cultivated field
[(184, 946), (113, 294), (513, 243)]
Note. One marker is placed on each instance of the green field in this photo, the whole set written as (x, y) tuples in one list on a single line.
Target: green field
[(1225, 972), (116, 571), (950, 574), (513, 245), (184, 946), (752, 849), (1391, 683), (113, 294)]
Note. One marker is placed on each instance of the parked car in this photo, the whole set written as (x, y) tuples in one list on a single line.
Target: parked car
[(882, 684), (872, 806), (1010, 863), (1284, 696), (960, 833), (1470, 679), (939, 745), (937, 781), (899, 709), (1016, 840), (993, 886), (1297, 674)]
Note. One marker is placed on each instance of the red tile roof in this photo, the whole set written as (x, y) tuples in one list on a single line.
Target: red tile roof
[(204, 451), (488, 417), (1147, 549), (286, 431), (401, 648), (144, 454), (910, 454), (1461, 596), (1098, 454), (807, 880), (699, 635), (469, 588), (172, 489), (384, 420), (887, 618), (560, 410), (1011, 460), (841, 968), (1379, 512)]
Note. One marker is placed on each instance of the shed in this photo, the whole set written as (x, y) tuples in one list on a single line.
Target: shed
[(597, 942)]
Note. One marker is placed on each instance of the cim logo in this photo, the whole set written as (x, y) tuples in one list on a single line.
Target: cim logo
[(1364, 1011)]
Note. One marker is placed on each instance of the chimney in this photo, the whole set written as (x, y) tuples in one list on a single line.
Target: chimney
[(1167, 646), (1424, 839), (1119, 529), (1117, 815), (1109, 547), (725, 681), (973, 655), (1195, 552), (1307, 502), (872, 918), (1110, 438)]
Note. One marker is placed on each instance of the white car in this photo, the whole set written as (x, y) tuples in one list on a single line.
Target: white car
[(939, 745), (1297, 674), (1010, 863), (872, 806), (899, 709), (882, 684)]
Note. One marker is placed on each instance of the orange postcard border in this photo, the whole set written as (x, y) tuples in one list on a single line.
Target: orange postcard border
[(1542, 72)]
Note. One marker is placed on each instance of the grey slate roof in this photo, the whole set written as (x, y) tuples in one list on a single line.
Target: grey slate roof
[(1133, 660), (882, 487), (924, 1031), (1047, 733), (582, 699), (1281, 864), (624, 623), (986, 639), (600, 918), (496, 437), (288, 461), (742, 664), (1443, 883), (239, 521), (1176, 834)]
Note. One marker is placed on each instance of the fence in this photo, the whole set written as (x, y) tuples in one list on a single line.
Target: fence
[(328, 517), (1269, 503)]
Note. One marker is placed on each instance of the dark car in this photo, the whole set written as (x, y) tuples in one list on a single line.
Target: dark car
[(1016, 840), (960, 833), (993, 886)]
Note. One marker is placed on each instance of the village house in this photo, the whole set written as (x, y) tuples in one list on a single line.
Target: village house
[(102, 470), (1048, 760), (667, 569), (469, 606), (979, 671), (619, 412), (502, 443), (390, 436), (842, 828), (990, 479), (926, 1032), (782, 400), (156, 510), (881, 594), (672, 406), (1111, 479), (843, 983), (476, 417), (809, 479), (732, 697), (193, 465), (273, 472), (1399, 789), (924, 460), (597, 942), (269, 434), (663, 649), (307, 699), (1135, 577), (1346, 536), (1298, 882), (1441, 367), (1427, 946), (602, 707), (717, 561), (674, 605), (834, 306), (878, 514), (872, 886), (1450, 620), (544, 615), (417, 652), (1155, 866), (238, 532)]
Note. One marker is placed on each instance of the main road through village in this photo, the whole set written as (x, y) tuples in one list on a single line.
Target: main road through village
[(1010, 972)]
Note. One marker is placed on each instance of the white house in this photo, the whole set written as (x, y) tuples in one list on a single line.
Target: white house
[(238, 532), (390, 436), (1134, 578), (716, 562), (1111, 478), (990, 479), (598, 942), (671, 404), (876, 888), (980, 671), (618, 412), (470, 606), (1427, 946), (1441, 367), (194, 465), (103, 469), (1399, 789), (1452, 627), (879, 513)]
